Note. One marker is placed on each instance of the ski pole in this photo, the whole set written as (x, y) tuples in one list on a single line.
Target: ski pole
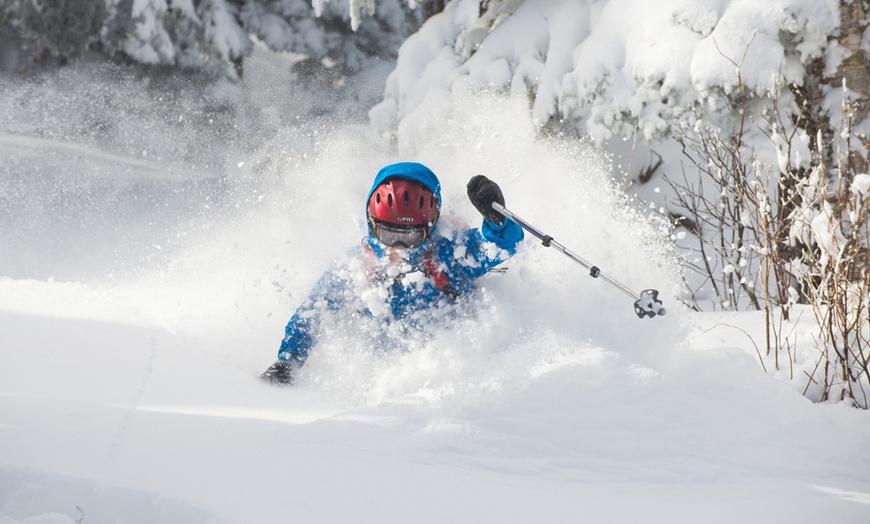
[(647, 303)]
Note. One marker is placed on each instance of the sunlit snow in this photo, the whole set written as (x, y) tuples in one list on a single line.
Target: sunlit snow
[(148, 266)]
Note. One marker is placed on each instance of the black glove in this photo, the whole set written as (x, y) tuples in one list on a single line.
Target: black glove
[(483, 192), (281, 372)]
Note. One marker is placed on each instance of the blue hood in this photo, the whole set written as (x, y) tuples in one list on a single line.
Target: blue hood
[(408, 171)]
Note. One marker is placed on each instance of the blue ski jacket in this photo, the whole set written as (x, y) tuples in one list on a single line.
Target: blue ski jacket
[(444, 267)]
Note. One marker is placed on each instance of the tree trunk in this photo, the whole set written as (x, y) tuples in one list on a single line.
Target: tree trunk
[(854, 70), (853, 19)]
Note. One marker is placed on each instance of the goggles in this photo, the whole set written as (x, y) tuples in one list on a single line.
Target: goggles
[(393, 235)]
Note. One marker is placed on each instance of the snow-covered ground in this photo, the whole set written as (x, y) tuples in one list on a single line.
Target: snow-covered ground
[(143, 290)]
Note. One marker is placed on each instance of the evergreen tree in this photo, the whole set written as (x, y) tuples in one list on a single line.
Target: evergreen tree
[(149, 41), (65, 27), (339, 36), (207, 35), (325, 31), (223, 38)]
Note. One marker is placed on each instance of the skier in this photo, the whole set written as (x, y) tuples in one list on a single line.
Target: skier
[(412, 265)]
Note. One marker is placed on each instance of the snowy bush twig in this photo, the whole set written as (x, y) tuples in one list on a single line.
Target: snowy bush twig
[(768, 237), (835, 221)]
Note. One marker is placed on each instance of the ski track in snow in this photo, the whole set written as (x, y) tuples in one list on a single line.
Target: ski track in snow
[(156, 170), (133, 407)]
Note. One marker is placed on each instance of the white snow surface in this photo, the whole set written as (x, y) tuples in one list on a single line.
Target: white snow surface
[(137, 311)]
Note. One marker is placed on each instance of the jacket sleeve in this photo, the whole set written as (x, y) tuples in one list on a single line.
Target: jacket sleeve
[(301, 331), (480, 250), (506, 236)]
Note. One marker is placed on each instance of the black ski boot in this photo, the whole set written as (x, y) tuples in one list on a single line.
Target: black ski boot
[(281, 372)]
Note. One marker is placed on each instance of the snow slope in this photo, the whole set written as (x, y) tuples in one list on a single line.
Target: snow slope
[(137, 311)]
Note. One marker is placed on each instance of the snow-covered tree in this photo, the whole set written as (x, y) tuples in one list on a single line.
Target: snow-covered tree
[(208, 35), (342, 34), (65, 27), (150, 41), (223, 38), (615, 68), (188, 34)]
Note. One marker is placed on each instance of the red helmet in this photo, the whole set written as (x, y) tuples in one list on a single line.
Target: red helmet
[(405, 203)]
